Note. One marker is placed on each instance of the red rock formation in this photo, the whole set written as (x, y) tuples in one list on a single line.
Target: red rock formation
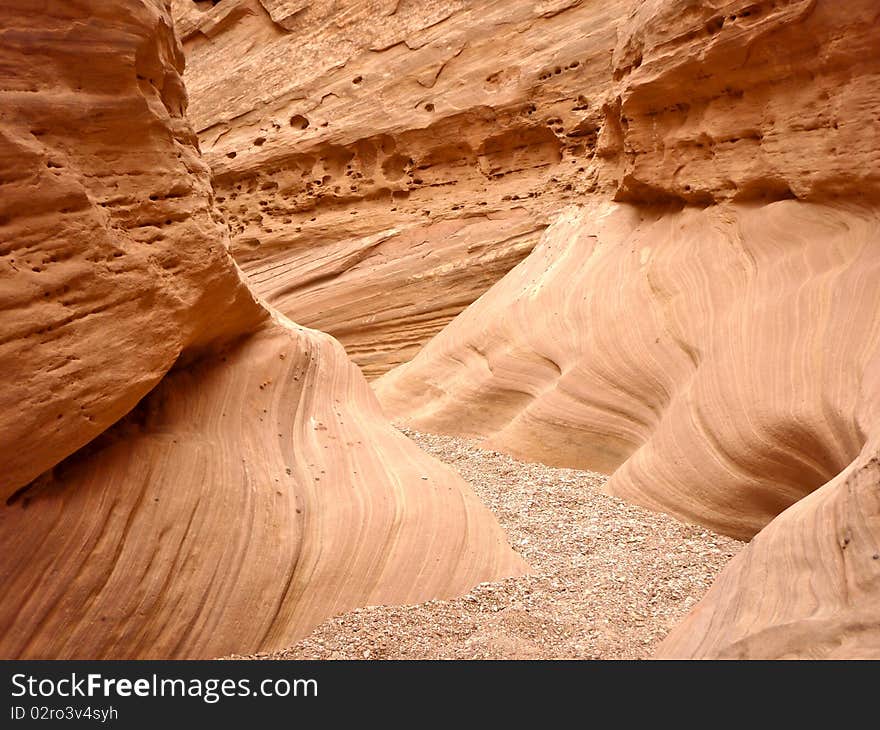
[(113, 260), (411, 153), (258, 489), (730, 393), (369, 136), (709, 336), (806, 588), (709, 359), (248, 498), (807, 585), (749, 101), (704, 323)]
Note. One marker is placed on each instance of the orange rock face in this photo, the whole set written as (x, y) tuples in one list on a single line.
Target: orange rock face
[(709, 359), (731, 391), (806, 587), (248, 498), (413, 152), (704, 324), (380, 165), (670, 210), (257, 489), (112, 258)]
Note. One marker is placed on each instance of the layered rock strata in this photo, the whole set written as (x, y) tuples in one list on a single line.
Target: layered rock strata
[(380, 165), (418, 150), (711, 359), (706, 327), (257, 489)]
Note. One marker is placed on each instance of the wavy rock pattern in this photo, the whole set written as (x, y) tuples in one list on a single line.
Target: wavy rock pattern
[(704, 325), (247, 499), (729, 393), (805, 588), (807, 585), (111, 257), (497, 110), (405, 300), (410, 152), (709, 337), (257, 489)]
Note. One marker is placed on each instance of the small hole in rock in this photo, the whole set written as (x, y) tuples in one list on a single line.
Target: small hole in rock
[(298, 121)]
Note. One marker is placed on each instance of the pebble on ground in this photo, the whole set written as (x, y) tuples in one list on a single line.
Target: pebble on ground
[(609, 579)]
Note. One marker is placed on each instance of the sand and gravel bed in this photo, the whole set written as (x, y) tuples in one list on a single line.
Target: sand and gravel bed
[(609, 580)]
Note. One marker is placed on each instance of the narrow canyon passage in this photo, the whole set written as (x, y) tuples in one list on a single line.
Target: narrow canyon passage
[(608, 580), (266, 265)]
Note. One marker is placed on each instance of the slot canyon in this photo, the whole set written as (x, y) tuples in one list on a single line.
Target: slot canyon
[(553, 326)]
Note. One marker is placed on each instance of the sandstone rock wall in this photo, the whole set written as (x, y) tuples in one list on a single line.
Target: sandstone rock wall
[(807, 585), (710, 359), (248, 498), (749, 101), (382, 164), (720, 123), (705, 324), (421, 148), (257, 489), (112, 258), (806, 588)]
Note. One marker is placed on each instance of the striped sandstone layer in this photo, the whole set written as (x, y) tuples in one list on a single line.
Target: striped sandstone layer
[(381, 164), (709, 359), (254, 488), (707, 332)]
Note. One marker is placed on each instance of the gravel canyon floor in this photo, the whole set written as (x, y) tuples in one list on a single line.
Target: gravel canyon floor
[(609, 579)]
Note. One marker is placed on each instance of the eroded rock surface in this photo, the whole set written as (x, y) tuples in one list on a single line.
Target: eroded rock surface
[(702, 322), (709, 359), (112, 258), (382, 164), (248, 498), (805, 588), (254, 492), (705, 324), (420, 148)]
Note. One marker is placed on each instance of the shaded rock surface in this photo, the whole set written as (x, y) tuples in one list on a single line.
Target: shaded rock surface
[(112, 261), (806, 586), (257, 489), (250, 496), (607, 579), (706, 326)]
